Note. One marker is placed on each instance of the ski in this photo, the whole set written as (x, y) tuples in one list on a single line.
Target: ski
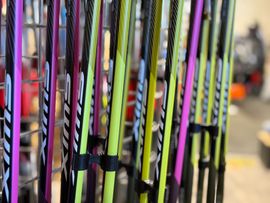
[(225, 126), (127, 76), (125, 95), (48, 117), (86, 81), (12, 111), (171, 69), (136, 130), (208, 96), (149, 95), (113, 43), (70, 98), (194, 30), (2, 105), (116, 97), (218, 106), (94, 114), (195, 111)]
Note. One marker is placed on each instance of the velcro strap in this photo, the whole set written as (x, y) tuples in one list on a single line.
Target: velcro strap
[(212, 130), (96, 140), (109, 163), (197, 128), (203, 164), (222, 167), (82, 161), (143, 187)]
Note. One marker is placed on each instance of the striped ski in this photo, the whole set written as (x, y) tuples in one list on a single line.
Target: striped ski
[(116, 95), (195, 111), (94, 113), (171, 69), (225, 126), (12, 111), (218, 106), (186, 95), (70, 99), (149, 95), (86, 82), (209, 80), (136, 130), (48, 118)]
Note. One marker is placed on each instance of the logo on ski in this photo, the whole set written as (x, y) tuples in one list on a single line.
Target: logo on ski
[(139, 100), (45, 124), (110, 76), (217, 94), (91, 121), (161, 130), (67, 123), (143, 122), (7, 140), (78, 119)]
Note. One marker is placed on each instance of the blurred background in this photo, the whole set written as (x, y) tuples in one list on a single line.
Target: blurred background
[(248, 163)]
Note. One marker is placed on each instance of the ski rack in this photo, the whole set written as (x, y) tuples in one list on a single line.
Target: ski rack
[(38, 27), (107, 163), (195, 128)]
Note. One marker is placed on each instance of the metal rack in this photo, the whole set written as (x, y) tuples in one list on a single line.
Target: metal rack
[(33, 22), (38, 25)]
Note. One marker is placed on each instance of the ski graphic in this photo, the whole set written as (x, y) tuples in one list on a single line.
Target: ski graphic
[(165, 126), (12, 111), (70, 98), (196, 9)]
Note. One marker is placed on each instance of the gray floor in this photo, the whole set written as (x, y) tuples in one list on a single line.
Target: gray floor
[(247, 180), (246, 124)]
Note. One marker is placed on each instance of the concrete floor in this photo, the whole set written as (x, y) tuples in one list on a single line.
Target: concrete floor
[(244, 126), (247, 180)]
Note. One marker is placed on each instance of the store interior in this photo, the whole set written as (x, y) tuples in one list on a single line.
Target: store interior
[(247, 171)]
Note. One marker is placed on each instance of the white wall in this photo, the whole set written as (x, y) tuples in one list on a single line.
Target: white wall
[(250, 11)]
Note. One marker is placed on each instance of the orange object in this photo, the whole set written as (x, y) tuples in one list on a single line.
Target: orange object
[(238, 92)]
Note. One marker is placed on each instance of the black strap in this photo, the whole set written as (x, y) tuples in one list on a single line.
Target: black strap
[(109, 163), (222, 167), (203, 164), (143, 187), (96, 140), (82, 161), (213, 130), (197, 128)]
